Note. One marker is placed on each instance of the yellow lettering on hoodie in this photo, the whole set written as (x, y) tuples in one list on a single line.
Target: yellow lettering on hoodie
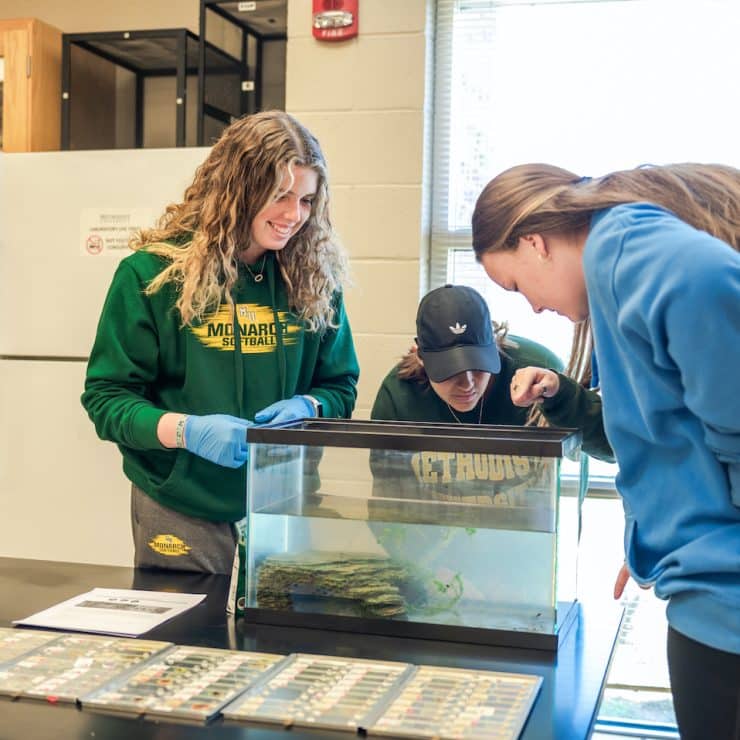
[(495, 467), (465, 467), (257, 329), (481, 466), (446, 459)]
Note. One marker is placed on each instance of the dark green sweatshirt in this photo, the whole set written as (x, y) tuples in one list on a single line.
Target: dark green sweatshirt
[(572, 406), (144, 364)]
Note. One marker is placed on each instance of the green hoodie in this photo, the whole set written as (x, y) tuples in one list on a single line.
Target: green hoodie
[(143, 364), (572, 406)]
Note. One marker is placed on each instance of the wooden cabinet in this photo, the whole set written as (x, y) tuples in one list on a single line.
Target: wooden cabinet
[(31, 101)]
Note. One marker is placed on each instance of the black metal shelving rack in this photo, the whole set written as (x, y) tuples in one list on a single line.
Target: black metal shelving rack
[(260, 22), (164, 52)]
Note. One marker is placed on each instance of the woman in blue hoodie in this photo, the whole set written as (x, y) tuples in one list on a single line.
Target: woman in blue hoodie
[(647, 259)]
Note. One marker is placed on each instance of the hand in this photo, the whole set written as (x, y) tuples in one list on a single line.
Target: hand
[(220, 438), (290, 409), (622, 578), (532, 384)]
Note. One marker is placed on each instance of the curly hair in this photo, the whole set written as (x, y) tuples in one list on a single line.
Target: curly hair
[(203, 236), (541, 198)]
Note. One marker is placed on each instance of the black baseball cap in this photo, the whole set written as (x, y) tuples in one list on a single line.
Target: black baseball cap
[(454, 333)]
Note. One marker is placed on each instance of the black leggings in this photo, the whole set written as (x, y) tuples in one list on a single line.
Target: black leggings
[(706, 689)]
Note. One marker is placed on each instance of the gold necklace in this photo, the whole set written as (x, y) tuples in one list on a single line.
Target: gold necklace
[(455, 416), (257, 277)]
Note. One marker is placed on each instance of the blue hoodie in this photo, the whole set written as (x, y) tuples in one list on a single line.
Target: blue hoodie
[(664, 301)]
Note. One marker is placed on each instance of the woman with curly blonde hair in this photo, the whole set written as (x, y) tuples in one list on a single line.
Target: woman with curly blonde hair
[(229, 313), (648, 260)]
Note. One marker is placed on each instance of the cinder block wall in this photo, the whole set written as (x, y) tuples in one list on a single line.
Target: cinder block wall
[(366, 100)]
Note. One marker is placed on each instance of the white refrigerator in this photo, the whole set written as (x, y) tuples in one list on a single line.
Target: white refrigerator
[(65, 218)]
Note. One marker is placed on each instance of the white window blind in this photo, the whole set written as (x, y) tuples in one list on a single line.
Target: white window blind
[(591, 85)]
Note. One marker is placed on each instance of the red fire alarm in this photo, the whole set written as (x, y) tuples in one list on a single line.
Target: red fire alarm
[(335, 20)]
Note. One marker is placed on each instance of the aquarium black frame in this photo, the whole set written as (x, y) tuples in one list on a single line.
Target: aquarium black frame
[(416, 436), (567, 610), (552, 442)]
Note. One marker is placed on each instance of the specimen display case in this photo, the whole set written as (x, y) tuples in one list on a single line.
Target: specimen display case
[(376, 697), (185, 682), (452, 532), (155, 680), (70, 665)]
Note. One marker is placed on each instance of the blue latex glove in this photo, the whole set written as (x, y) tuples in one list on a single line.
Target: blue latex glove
[(298, 407), (220, 438)]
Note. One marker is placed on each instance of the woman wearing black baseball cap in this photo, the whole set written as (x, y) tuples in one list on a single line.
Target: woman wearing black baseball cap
[(463, 369), (466, 369)]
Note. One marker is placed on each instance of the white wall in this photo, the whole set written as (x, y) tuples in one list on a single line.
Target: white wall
[(63, 495)]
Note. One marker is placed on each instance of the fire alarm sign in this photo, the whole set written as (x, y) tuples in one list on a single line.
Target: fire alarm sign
[(335, 20)]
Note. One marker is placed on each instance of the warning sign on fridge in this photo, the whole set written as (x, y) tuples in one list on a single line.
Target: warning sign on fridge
[(107, 231)]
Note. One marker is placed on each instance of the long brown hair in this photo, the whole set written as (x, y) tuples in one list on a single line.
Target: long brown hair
[(541, 198), (203, 236)]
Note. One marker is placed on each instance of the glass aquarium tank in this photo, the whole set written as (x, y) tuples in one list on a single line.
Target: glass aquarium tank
[(449, 532)]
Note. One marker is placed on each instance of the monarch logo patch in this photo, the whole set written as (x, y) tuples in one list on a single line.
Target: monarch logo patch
[(257, 328), (168, 544)]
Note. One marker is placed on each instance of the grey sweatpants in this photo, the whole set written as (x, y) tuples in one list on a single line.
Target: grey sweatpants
[(164, 538)]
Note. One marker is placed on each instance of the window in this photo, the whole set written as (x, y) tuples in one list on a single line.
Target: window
[(594, 86), (591, 85)]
